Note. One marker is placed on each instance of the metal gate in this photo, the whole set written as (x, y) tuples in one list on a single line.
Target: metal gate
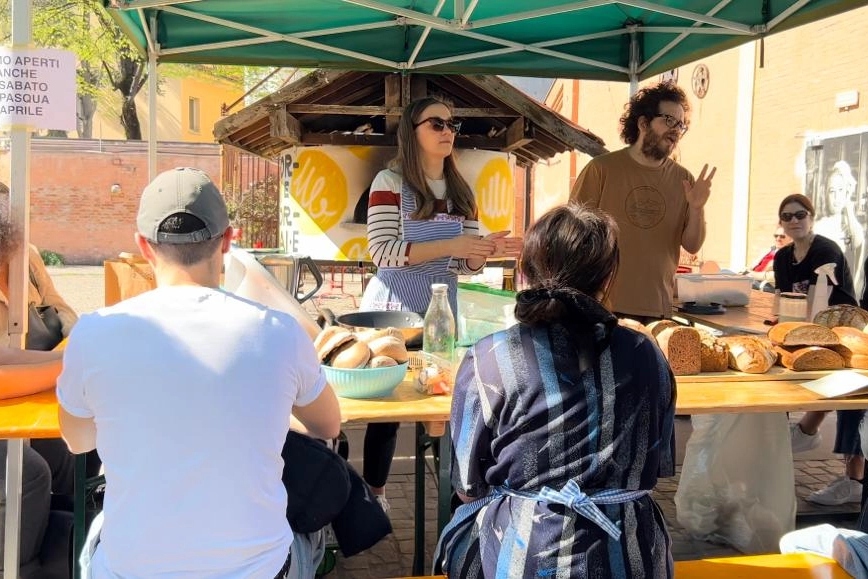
[(251, 187)]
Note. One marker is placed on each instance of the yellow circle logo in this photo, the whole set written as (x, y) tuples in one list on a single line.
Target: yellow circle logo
[(320, 187), (355, 249), (495, 192)]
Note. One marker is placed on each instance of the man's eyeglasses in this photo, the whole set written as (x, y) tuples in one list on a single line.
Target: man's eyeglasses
[(672, 122), (780, 235), (785, 217), (440, 125)]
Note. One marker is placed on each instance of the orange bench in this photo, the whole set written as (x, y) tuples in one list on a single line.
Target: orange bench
[(792, 566)]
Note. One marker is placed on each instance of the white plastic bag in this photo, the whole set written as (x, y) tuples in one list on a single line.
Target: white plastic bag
[(736, 483)]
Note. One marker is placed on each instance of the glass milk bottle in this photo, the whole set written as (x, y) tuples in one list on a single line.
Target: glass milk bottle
[(438, 330)]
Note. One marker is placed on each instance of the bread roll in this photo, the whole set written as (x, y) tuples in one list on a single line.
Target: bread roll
[(369, 335), (802, 334), (330, 339), (681, 346), (843, 315), (749, 354), (352, 354), (382, 362), (713, 354), (389, 346), (809, 358)]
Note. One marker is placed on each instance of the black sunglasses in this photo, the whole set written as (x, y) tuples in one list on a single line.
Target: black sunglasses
[(440, 125), (672, 122), (780, 236), (786, 216)]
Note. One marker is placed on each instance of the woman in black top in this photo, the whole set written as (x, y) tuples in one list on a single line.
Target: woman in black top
[(795, 264), (794, 272)]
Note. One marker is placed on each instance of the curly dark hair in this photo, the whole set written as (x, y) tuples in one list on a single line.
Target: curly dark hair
[(646, 103)]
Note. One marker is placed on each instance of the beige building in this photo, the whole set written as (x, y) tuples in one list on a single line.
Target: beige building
[(187, 110), (774, 119)]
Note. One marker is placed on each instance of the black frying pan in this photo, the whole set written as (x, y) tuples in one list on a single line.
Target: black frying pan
[(409, 323)]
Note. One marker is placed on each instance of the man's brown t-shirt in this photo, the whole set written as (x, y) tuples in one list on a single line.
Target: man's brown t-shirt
[(649, 205)]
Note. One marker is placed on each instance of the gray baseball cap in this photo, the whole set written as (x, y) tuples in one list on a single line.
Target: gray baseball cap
[(182, 190)]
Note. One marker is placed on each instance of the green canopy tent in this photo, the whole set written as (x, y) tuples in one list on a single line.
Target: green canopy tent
[(624, 40)]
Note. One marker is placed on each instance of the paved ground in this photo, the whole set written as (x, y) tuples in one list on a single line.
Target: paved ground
[(392, 557)]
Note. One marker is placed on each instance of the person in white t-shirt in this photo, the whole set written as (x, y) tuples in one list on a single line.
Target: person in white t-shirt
[(186, 391)]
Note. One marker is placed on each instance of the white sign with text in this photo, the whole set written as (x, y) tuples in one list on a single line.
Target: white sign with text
[(37, 88)]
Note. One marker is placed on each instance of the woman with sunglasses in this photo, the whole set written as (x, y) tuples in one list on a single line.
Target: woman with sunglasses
[(794, 272), (422, 228)]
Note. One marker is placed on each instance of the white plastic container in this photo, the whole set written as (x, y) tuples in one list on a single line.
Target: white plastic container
[(716, 288)]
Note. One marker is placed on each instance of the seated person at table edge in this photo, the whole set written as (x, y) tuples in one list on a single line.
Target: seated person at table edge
[(763, 273), (563, 403), (187, 392)]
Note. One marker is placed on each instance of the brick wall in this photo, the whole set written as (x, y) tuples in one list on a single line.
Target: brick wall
[(73, 209)]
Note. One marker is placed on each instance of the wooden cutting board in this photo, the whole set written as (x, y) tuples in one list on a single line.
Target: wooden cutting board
[(776, 373)]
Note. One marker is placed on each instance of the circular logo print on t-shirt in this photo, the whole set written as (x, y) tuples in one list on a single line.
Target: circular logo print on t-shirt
[(645, 207)]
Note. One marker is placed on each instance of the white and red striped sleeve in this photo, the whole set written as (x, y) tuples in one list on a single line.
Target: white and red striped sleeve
[(385, 237)]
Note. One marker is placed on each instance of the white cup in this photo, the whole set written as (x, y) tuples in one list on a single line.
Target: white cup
[(793, 307)]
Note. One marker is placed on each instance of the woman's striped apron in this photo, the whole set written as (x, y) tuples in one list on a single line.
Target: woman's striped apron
[(408, 288)]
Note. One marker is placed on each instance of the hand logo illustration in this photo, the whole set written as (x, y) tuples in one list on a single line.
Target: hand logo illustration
[(495, 195), (355, 249), (320, 187)]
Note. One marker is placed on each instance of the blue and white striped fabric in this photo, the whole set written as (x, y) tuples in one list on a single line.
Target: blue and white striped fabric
[(562, 430), (408, 288)]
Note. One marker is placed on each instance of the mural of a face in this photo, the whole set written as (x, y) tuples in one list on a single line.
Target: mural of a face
[(839, 192)]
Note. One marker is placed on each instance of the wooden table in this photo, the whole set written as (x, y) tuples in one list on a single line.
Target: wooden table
[(22, 418), (431, 415), (749, 319), (779, 390)]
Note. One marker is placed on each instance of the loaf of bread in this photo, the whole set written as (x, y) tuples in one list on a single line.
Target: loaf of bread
[(713, 354), (809, 358), (853, 347), (749, 354), (802, 334), (854, 340), (843, 315), (681, 346), (634, 325), (857, 361), (659, 325)]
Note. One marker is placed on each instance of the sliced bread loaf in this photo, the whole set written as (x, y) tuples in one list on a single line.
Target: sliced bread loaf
[(802, 334), (682, 347)]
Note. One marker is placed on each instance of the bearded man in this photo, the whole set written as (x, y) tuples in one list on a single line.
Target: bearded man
[(658, 205)]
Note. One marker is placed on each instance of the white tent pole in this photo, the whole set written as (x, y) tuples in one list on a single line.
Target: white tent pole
[(741, 163), (152, 101), (19, 205), (634, 61)]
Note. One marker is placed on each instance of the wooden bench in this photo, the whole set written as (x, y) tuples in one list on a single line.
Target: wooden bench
[(793, 566)]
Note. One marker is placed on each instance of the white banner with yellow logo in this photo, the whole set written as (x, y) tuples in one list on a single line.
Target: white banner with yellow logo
[(320, 187)]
